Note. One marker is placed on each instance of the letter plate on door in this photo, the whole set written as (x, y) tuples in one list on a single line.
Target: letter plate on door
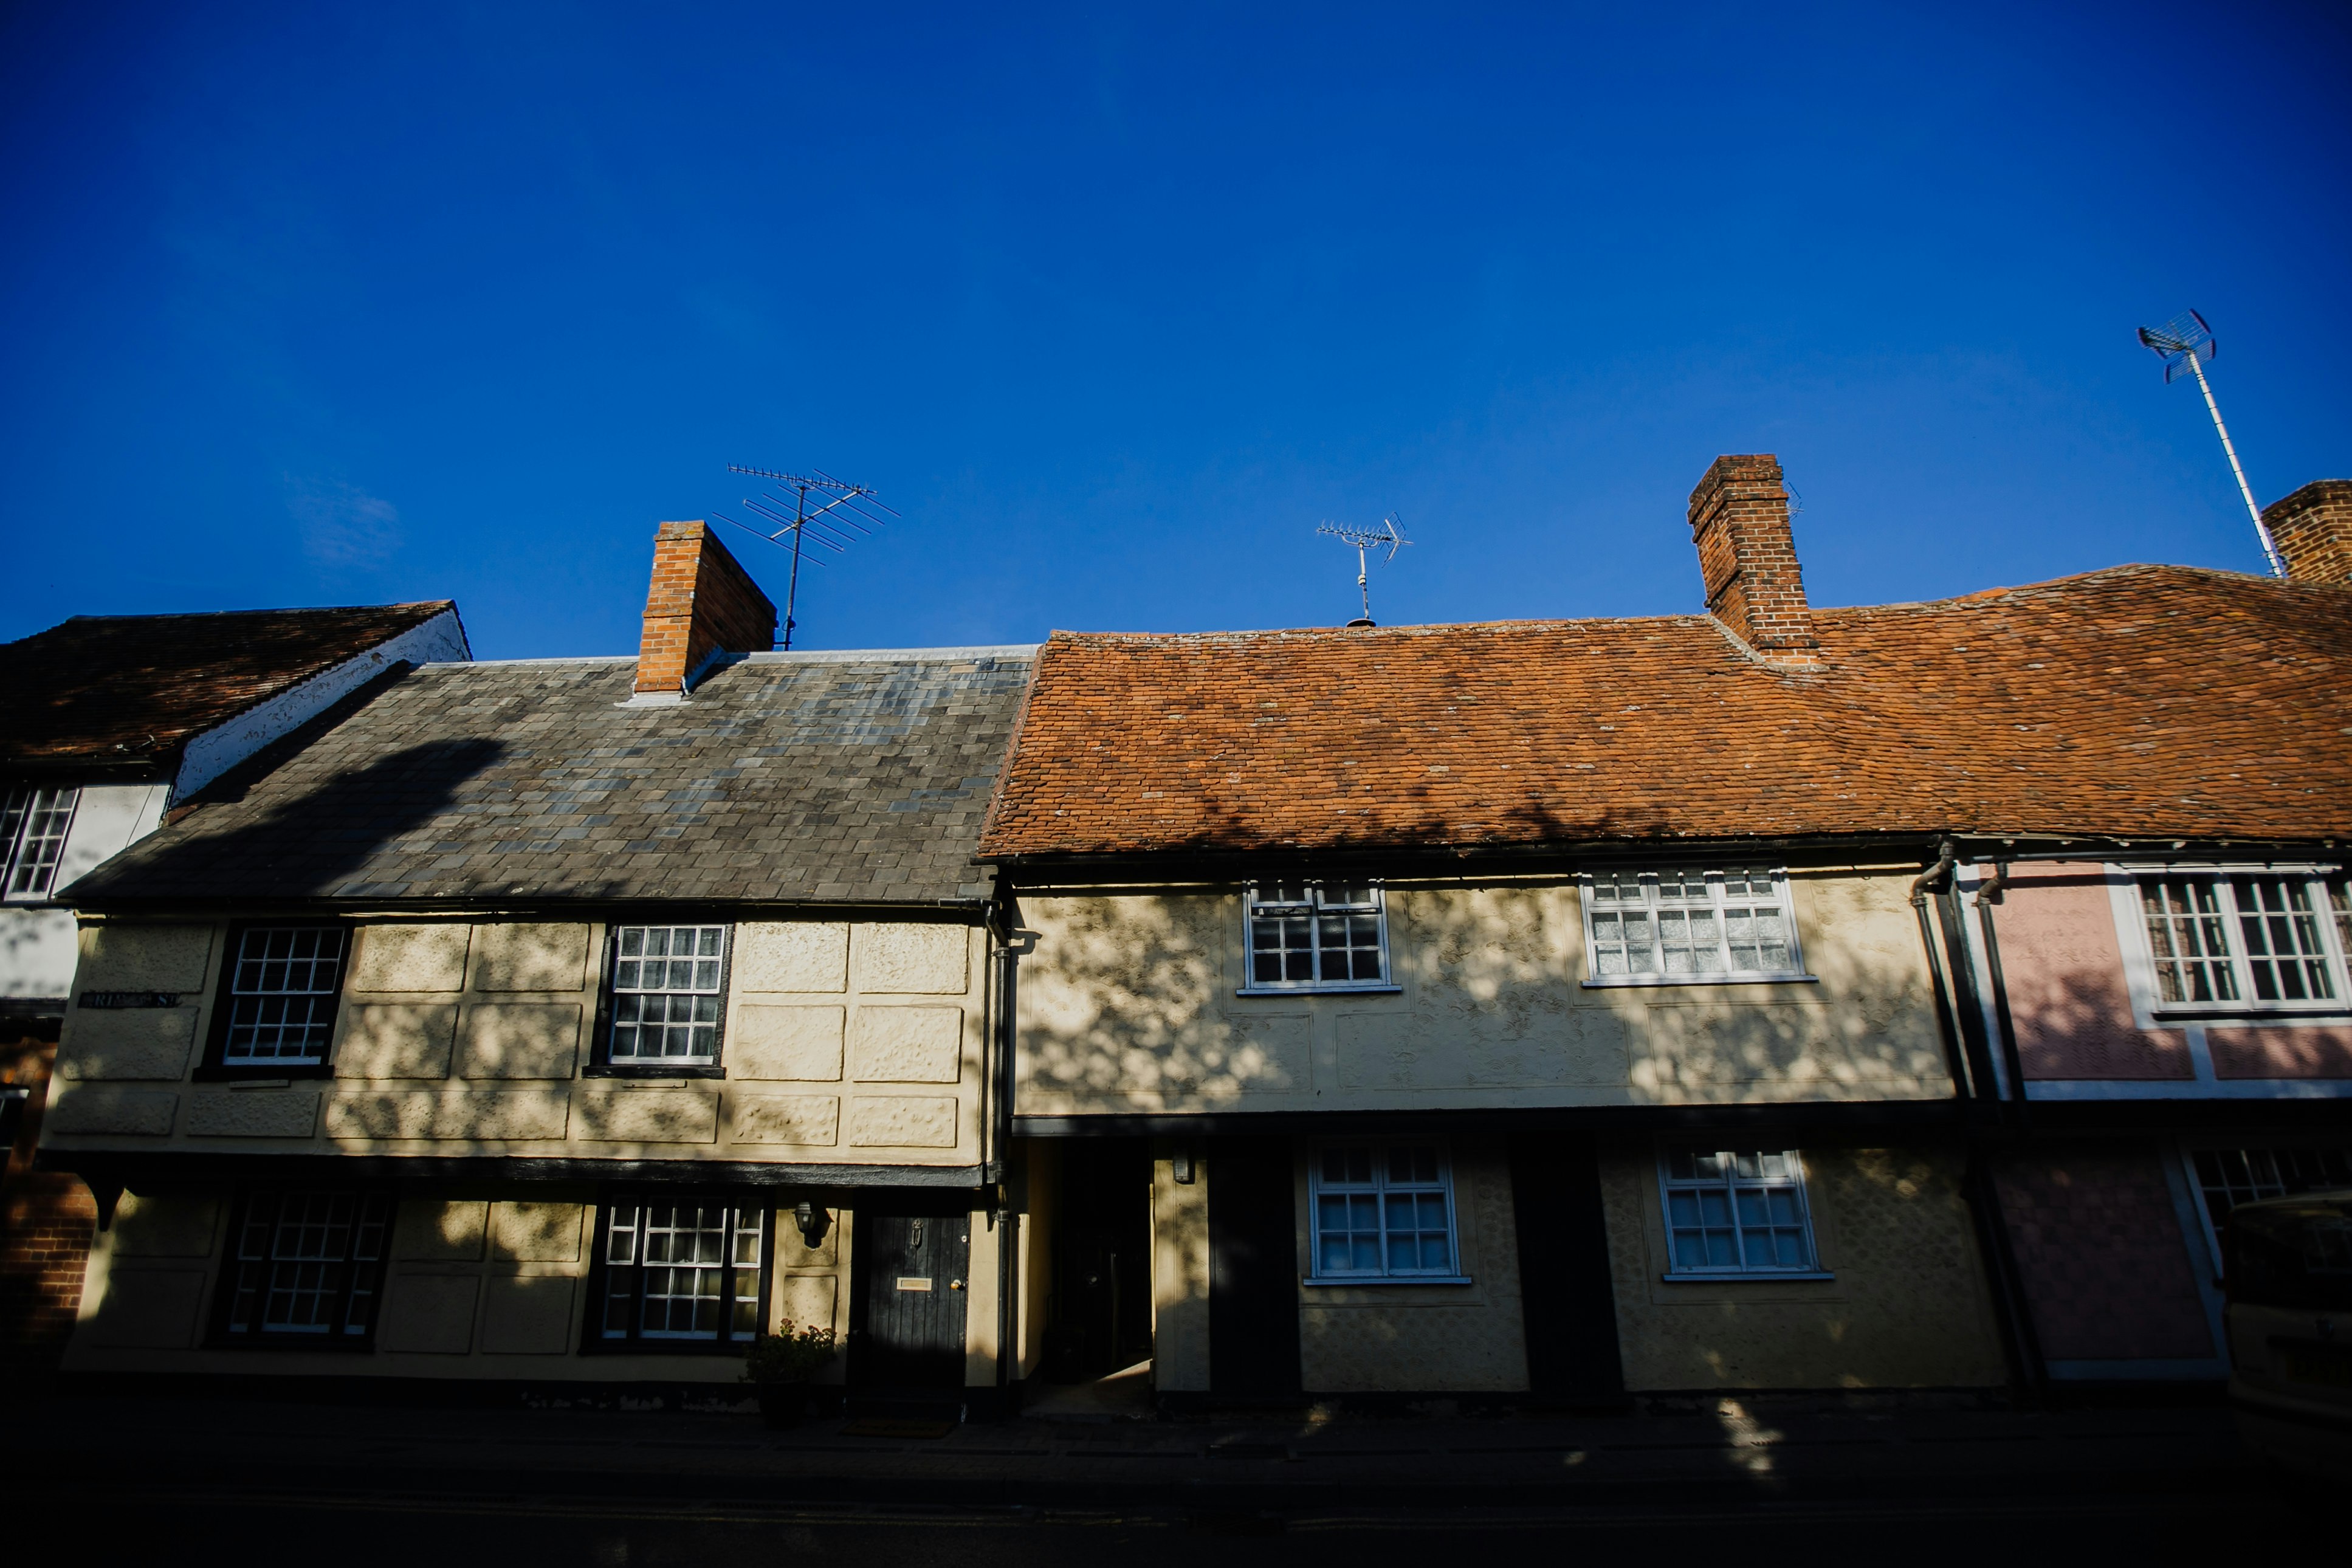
[(914, 1282)]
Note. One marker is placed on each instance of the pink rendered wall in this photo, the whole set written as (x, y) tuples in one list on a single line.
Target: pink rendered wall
[(2064, 970), (2101, 1255), (2273, 1050)]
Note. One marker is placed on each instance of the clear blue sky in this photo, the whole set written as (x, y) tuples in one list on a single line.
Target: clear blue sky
[(342, 304)]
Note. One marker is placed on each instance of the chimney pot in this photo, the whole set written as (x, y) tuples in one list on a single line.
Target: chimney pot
[(1748, 558), (2312, 531), (701, 603)]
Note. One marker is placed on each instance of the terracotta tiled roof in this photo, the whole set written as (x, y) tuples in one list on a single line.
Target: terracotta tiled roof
[(2136, 700), (127, 690)]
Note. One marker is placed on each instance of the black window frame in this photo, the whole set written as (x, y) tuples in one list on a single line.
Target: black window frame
[(599, 1062), (214, 1065), (594, 1340), (221, 1334)]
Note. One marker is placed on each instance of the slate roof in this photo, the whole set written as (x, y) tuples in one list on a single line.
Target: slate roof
[(2140, 700), (788, 777), (130, 690)]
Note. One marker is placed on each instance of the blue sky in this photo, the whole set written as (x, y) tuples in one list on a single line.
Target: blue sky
[(331, 305)]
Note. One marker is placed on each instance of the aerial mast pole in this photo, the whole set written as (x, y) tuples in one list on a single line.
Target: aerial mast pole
[(849, 512), (1367, 539), (2187, 342)]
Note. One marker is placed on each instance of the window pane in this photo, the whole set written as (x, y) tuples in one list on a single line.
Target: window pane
[(38, 821), (1739, 1210), (2285, 954), (666, 998), (2187, 941), (282, 989)]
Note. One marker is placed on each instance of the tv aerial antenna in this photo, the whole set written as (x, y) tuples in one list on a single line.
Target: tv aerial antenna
[(1390, 534), (843, 513), (2186, 342)]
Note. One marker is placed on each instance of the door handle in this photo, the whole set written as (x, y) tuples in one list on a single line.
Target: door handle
[(955, 1284)]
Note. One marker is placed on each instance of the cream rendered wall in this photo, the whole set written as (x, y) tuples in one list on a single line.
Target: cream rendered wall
[(1128, 1004), (1909, 1306), (846, 1043), (1396, 1339), (477, 1284)]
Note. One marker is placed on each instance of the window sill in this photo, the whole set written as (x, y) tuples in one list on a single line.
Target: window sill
[(631, 1069), (600, 1345), (2231, 1012), (1616, 980), (1383, 989), (294, 1344), (1742, 1276), (1333, 1281)]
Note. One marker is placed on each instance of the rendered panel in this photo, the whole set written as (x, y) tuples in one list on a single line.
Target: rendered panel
[(128, 1043), (787, 1043), (519, 1041), (411, 958), (397, 1039)]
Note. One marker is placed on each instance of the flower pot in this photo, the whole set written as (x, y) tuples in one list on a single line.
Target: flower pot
[(784, 1403)]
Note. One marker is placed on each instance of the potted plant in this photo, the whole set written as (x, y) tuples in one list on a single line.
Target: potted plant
[(781, 1366)]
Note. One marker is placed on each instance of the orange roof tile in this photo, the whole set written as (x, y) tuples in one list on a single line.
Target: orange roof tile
[(2139, 701)]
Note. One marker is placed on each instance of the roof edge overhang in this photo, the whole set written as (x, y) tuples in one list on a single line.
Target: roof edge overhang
[(1921, 844), (98, 767), (570, 906)]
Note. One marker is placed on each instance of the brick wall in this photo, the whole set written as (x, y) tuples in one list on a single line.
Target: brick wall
[(1747, 557), (2312, 531), (700, 599), (45, 1224)]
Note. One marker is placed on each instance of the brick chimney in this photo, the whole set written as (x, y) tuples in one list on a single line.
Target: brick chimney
[(1739, 521), (701, 604), (2312, 531)]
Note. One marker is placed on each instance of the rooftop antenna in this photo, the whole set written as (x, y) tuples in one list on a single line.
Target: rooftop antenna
[(844, 514), (1389, 534), (2186, 342)]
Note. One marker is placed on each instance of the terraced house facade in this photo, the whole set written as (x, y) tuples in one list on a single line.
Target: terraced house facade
[(1566, 1009), (563, 1022)]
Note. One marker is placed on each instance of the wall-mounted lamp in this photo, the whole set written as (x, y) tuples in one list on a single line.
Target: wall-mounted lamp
[(813, 1221), (1180, 1164)]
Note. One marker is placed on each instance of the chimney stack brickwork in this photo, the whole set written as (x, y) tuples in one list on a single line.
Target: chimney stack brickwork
[(701, 601), (2312, 531), (1748, 558)]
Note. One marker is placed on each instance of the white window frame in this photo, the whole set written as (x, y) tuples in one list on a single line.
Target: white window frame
[(2261, 1183), (1316, 909), (1715, 903), (26, 805), (2225, 882), (623, 1246), (1729, 1184), (1378, 1189)]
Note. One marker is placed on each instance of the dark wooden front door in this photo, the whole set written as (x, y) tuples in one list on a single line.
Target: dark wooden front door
[(915, 1270), (1252, 1269), (1102, 1267)]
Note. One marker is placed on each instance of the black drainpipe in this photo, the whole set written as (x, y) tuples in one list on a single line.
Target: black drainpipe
[(1987, 893), (1946, 1026), (1002, 922), (2020, 1347)]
